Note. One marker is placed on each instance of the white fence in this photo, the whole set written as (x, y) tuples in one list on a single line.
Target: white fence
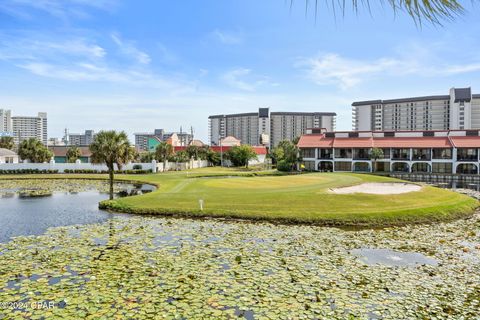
[(61, 167), (179, 166)]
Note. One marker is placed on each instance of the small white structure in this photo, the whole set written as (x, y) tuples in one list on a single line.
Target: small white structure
[(8, 156)]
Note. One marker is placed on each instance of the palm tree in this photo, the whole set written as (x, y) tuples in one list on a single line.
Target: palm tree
[(33, 150), (110, 148), (432, 11), (163, 152), (376, 154), (7, 143), (73, 154)]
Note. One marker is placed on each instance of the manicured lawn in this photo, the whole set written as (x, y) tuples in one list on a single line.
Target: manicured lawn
[(268, 195), (291, 198)]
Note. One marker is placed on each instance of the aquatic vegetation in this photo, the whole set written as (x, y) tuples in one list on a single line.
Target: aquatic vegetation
[(45, 187), (142, 267)]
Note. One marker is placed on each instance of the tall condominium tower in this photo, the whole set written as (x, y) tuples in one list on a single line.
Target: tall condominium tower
[(30, 127), (267, 128), (5, 121), (460, 109)]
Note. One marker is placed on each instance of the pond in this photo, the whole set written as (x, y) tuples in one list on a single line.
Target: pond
[(30, 208), (147, 267)]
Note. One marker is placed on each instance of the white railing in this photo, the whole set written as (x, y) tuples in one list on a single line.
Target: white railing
[(62, 167)]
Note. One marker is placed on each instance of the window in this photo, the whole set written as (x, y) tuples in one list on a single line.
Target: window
[(464, 154), (361, 154), (421, 154), (309, 165), (441, 167), (325, 153), (308, 153), (343, 166), (442, 153), (343, 153), (401, 154)]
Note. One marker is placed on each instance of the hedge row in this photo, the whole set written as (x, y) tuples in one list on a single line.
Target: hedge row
[(105, 171), (90, 171), (28, 171)]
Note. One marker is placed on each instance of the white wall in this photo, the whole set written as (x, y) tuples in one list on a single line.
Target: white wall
[(61, 167), (172, 166), (3, 159)]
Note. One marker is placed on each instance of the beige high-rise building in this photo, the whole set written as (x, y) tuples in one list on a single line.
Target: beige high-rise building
[(457, 111), (267, 128), (30, 127)]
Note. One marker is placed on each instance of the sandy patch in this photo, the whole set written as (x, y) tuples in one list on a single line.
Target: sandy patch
[(378, 188)]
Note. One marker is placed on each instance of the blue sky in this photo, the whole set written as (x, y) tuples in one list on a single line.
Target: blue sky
[(140, 65)]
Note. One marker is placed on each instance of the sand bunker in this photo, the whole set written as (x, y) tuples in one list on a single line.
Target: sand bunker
[(378, 188)]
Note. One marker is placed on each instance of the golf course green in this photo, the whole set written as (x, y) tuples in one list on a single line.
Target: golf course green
[(301, 198)]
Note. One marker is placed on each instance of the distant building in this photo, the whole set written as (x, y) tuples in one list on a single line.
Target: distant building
[(60, 153), (267, 128), (457, 111), (22, 128), (55, 142), (85, 139), (5, 122), (8, 156), (442, 151), (148, 141), (230, 142)]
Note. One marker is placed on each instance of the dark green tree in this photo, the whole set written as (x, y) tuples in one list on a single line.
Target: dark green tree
[(73, 154), (286, 155), (34, 151), (163, 153), (7, 143), (241, 155)]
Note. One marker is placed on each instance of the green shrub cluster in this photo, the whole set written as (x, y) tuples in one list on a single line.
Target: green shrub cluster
[(28, 171), (92, 171)]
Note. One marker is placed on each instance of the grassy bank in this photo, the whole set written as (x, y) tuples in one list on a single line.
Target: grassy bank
[(290, 198), (268, 195)]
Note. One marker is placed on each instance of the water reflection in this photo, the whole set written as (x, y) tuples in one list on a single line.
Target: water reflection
[(32, 214)]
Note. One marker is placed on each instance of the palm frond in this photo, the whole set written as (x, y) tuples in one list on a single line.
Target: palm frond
[(431, 11)]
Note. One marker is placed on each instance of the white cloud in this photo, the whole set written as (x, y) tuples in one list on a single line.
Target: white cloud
[(233, 79), (128, 48), (244, 79), (331, 68), (63, 9), (227, 37), (33, 47)]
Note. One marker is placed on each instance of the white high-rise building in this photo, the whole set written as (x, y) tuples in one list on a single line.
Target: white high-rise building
[(267, 128), (30, 127), (78, 139), (457, 111), (5, 122)]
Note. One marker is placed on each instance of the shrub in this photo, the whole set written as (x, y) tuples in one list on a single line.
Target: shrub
[(137, 167), (283, 165)]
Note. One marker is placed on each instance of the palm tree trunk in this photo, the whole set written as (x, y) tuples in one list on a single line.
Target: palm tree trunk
[(110, 173)]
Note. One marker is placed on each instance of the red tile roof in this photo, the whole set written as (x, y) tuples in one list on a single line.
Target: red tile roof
[(315, 141), (466, 142), (353, 143), (319, 141), (259, 150), (413, 142)]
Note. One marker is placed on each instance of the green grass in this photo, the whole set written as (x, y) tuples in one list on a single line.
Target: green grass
[(268, 195)]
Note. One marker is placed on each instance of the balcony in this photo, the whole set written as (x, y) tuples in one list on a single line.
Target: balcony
[(421, 155), (361, 154), (467, 155)]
